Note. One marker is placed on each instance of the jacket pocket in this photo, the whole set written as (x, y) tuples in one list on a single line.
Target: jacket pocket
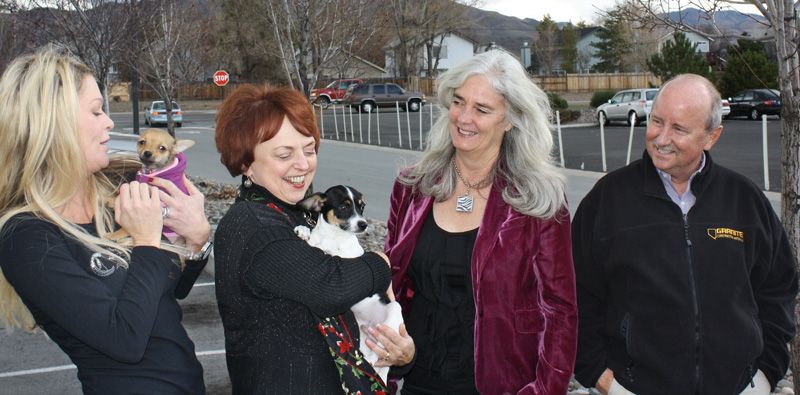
[(528, 321)]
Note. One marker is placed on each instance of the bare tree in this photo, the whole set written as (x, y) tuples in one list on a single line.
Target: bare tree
[(310, 34), (169, 54), (7, 34), (417, 25), (783, 28), (88, 28), (444, 17), (546, 44), (243, 43)]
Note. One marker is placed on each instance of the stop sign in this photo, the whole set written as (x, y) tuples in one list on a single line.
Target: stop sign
[(221, 77)]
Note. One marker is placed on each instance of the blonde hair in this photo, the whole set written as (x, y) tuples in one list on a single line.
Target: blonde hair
[(535, 186), (42, 159)]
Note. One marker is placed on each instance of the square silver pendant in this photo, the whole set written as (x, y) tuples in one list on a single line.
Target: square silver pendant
[(464, 204)]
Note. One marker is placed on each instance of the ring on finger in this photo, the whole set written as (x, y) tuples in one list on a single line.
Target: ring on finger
[(165, 212), (387, 356)]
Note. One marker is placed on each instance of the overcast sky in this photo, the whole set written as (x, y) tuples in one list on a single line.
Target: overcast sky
[(559, 10)]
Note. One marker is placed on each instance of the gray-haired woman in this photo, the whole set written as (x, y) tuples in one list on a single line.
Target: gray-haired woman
[(479, 240)]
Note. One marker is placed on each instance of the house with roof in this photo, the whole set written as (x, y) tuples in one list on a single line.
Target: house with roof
[(349, 65), (449, 49), (701, 42)]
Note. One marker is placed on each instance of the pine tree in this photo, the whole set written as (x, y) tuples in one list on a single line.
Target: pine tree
[(613, 46), (546, 44), (678, 56), (569, 48), (748, 67)]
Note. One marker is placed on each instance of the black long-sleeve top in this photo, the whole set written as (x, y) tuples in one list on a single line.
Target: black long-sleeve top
[(120, 327), (272, 290)]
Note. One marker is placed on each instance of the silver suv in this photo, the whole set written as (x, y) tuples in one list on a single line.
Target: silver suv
[(631, 105), (367, 97)]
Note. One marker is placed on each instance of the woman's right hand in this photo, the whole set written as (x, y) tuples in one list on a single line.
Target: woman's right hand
[(137, 209)]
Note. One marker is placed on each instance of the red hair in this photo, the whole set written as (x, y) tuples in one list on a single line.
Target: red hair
[(253, 114)]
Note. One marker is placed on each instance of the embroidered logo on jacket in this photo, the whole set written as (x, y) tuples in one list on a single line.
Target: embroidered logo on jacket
[(103, 265), (725, 233)]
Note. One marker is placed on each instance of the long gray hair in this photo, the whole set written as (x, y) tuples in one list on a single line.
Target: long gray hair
[(535, 186)]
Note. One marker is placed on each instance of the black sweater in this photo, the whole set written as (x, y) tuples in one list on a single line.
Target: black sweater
[(681, 305), (121, 328), (272, 289)]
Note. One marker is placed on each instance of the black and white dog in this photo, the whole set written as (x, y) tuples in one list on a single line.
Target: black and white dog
[(341, 218)]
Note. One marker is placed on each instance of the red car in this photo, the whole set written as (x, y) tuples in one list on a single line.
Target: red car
[(333, 92)]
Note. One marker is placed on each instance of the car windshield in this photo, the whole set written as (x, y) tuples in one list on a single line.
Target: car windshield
[(159, 105)]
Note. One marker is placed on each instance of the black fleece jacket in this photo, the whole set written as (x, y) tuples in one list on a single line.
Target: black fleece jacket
[(272, 290), (681, 305)]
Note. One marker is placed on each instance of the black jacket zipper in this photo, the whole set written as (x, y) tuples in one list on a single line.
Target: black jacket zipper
[(695, 304)]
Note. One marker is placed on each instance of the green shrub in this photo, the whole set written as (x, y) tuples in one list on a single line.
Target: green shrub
[(601, 97), (556, 101)]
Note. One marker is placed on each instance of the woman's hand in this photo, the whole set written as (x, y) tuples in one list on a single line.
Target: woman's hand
[(394, 349), (187, 216), (137, 209)]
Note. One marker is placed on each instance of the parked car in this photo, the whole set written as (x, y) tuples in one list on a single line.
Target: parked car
[(333, 92), (726, 108), (754, 102), (156, 113), (631, 105), (367, 97)]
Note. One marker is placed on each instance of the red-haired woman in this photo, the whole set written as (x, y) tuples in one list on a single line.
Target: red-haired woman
[(285, 305)]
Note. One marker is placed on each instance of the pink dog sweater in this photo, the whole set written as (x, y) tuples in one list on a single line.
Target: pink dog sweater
[(174, 173)]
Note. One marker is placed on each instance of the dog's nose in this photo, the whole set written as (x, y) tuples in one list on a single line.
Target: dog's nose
[(147, 154), (362, 225)]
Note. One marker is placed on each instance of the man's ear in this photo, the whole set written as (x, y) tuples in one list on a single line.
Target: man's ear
[(313, 203), (712, 138)]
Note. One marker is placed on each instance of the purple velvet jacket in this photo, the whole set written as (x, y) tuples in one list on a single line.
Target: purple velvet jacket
[(523, 286)]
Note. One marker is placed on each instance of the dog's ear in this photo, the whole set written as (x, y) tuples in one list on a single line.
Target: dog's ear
[(313, 203), (182, 145)]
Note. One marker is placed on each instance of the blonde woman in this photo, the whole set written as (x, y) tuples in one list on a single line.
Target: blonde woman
[(111, 308)]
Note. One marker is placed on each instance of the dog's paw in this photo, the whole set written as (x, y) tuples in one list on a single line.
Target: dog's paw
[(302, 232)]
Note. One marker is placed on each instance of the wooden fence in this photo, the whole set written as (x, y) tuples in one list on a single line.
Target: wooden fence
[(575, 83), (568, 83)]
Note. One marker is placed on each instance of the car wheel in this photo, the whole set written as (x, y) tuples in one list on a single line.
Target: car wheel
[(726, 116), (413, 105), (602, 119), (179, 124), (323, 101), (633, 119), (754, 115), (367, 107)]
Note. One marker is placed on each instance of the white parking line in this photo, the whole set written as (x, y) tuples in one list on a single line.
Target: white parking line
[(36, 371), (69, 367)]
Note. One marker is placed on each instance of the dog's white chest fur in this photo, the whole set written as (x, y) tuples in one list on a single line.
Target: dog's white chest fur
[(333, 240), (370, 311)]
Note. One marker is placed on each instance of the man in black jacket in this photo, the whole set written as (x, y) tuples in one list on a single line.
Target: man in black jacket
[(685, 278)]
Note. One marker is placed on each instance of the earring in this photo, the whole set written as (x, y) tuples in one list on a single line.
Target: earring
[(248, 182)]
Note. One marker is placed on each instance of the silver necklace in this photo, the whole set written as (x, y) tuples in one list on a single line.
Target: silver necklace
[(465, 202)]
